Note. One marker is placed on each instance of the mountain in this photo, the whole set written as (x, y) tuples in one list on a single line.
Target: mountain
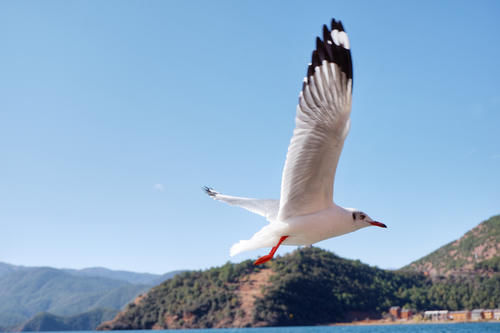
[(131, 277), (464, 256), (26, 292), (8, 268), (167, 276), (82, 322), (54, 295), (310, 286), (307, 287)]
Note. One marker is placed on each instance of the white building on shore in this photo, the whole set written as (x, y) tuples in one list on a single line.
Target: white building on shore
[(436, 315)]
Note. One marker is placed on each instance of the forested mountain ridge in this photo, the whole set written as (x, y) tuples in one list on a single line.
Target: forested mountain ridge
[(64, 296), (468, 255), (8, 268), (86, 321), (307, 287), (131, 277), (27, 292)]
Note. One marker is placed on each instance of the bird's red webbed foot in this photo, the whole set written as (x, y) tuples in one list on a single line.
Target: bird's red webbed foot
[(263, 259), (270, 256)]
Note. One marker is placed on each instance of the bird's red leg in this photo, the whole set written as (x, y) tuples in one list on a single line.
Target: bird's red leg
[(269, 256)]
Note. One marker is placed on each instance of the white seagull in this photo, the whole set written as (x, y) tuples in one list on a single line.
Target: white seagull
[(305, 213)]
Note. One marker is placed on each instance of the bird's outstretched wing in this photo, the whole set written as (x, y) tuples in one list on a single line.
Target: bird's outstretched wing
[(264, 207), (322, 123)]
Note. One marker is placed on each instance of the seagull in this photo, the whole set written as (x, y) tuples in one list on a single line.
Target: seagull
[(305, 213)]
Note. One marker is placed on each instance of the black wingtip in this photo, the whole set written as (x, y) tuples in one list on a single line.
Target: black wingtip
[(326, 33), (337, 25), (332, 51), (315, 62), (341, 26), (210, 191), (320, 47), (333, 24)]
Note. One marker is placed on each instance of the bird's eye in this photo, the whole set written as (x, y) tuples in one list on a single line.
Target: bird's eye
[(362, 216)]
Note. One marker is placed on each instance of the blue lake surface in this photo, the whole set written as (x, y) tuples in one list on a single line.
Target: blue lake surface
[(424, 328)]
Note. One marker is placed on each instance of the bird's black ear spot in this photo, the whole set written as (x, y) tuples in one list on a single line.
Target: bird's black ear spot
[(353, 215)]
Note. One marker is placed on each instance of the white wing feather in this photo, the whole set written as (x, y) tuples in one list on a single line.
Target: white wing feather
[(264, 207), (322, 123)]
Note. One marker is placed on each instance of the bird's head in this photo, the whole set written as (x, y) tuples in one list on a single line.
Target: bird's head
[(362, 220)]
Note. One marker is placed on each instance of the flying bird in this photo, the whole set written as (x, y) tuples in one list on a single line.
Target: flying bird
[(305, 213)]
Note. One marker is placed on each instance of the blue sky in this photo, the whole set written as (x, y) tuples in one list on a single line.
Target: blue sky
[(113, 114)]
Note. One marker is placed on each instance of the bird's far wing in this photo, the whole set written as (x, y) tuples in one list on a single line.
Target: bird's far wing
[(264, 207), (321, 125)]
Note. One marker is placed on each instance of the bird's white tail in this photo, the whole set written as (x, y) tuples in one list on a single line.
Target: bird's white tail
[(242, 246), (268, 236)]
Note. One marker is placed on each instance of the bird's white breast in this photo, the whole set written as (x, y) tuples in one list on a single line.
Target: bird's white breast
[(312, 228)]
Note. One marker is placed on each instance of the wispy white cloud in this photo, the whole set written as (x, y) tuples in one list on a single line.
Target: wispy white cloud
[(159, 187), (496, 156)]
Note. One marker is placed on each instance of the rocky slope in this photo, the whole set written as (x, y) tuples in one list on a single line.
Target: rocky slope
[(463, 257)]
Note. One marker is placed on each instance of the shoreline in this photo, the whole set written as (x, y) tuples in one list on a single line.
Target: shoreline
[(383, 322)]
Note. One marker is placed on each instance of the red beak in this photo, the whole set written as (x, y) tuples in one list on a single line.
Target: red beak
[(378, 224)]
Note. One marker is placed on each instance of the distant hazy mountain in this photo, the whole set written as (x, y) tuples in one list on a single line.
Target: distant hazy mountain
[(165, 277), (8, 268), (132, 277), (54, 294), (83, 322), (26, 292), (476, 252)]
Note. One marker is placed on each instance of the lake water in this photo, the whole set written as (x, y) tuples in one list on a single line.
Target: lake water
[(429, 328)]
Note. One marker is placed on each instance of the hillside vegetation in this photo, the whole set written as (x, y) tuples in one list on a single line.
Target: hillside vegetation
[(55, 295), (490, 265), (82, 322), (308, 287), (27, 292), (463, 256), (189, 300)]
